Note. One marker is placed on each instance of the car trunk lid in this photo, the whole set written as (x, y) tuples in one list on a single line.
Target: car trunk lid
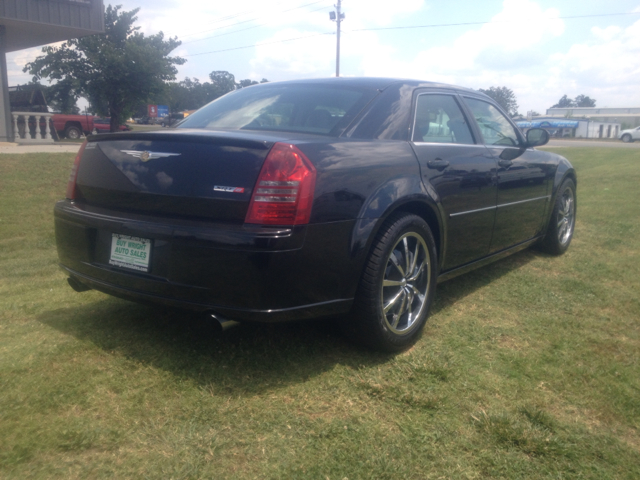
[(188, 174)]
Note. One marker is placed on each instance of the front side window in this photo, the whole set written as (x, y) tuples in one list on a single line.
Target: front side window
[(494, 126), (439, 120)]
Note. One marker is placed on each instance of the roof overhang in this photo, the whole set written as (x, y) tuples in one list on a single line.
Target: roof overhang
[(25, 34)]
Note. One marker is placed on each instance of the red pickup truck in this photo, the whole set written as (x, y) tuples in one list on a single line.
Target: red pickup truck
[(74, 126)]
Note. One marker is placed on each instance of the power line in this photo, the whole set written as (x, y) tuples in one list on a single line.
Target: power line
[(260, 44), (435, 25), (245, 21), (248, 28)]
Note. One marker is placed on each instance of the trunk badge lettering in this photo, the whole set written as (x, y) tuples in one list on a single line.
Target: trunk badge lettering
[(218, 188), (146, 155)]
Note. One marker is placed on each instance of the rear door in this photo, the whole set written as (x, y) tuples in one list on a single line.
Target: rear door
[(523, 177), (462, 172)]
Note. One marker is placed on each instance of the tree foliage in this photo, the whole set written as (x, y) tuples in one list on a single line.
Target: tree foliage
[(504, 97), (116, 70), (579, 101), (584, 101), (191, 94)]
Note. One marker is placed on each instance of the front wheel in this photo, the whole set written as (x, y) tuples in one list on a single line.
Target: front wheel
[(397, 286), (562, 221), (626, 138)]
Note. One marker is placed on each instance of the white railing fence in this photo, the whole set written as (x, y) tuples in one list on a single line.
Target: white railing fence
[(32, 127)]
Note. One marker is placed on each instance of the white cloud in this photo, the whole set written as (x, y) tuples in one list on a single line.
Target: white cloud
[(607, 66), (315, 57), (16, 61), (606, 33), (300, 58)]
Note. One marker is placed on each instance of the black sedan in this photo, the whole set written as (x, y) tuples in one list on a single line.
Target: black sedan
[(307, 199)]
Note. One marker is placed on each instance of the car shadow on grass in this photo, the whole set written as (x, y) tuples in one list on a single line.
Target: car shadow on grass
[(247, 358), (452, 291)]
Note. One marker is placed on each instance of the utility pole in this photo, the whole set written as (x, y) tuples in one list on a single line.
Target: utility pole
[(337, 17)]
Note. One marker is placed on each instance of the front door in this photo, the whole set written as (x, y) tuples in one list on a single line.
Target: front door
[(461, 171), (523, 178)]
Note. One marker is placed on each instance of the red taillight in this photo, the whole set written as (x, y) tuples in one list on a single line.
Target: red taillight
[(71, 186), (283, 194)]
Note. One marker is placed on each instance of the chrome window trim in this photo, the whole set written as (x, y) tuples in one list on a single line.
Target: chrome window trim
[(546, 197), (447, 143)]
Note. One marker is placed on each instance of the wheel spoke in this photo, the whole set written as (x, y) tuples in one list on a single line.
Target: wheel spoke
[(403, 305), (562, 233), (414, 262), (417, 274), (410, 295), (391, 283), (407, 260), (393, 301), (395, 262)]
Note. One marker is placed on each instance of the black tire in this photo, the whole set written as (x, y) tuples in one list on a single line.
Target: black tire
[(563, 220), (626, 138), (403, 244), (73, 133)]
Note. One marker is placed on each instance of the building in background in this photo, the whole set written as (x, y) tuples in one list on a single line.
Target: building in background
[(572, 127), (30, 23), (626, 117)]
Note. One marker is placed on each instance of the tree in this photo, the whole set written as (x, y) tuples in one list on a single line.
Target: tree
[(584, 101), (580, 101), (116, 70), (223, 82), (504, 97), (245, 83), (564, 102)]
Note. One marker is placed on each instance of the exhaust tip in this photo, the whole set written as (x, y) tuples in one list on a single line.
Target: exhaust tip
[(223, 324), (76, 285)]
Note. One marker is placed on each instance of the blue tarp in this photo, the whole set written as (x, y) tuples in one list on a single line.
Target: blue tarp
[(549, 124)]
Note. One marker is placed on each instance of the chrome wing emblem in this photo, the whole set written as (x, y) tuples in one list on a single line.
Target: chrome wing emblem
[(146, 155)]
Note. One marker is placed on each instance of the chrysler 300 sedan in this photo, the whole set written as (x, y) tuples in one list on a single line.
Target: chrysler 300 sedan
[(337, 197)]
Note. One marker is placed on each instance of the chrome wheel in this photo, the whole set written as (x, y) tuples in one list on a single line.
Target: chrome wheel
[(566, 216), (405, 284)]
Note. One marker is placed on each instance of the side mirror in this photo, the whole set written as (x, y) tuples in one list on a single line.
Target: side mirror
[(537, 137)]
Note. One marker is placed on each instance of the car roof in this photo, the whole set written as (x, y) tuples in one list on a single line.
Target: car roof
[(378, 83)]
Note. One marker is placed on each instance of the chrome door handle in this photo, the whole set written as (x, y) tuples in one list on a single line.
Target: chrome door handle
[(438, 164), (505, 163)]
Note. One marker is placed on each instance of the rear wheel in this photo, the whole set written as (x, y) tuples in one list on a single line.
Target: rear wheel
[(626, 138), (562, 221), (72, 133), (397, 286)]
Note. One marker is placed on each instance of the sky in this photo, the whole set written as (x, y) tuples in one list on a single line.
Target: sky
[(532, 47)]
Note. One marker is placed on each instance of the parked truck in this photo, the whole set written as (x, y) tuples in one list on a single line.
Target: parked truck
[(74, 126)]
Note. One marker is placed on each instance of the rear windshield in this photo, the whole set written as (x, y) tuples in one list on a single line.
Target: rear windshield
[(291, 108)]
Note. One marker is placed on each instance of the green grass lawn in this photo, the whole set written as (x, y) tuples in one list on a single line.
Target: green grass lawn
[(528, 368)]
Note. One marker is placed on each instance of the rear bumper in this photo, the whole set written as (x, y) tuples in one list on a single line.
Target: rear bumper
[(241, 272)]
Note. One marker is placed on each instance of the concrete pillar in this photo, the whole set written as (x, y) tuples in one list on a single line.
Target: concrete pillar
[(6, 121)]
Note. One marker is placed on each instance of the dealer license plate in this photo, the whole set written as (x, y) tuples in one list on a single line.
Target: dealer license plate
[(130, 252)]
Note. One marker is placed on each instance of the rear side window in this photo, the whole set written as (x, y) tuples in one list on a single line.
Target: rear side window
[(439, 119), (292, 108), (494, 126)]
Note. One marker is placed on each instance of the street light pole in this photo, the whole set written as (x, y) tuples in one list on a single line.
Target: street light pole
[(338, 20), (337, 17)]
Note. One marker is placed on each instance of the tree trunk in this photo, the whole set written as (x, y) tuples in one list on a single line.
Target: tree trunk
[(115, 114)]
